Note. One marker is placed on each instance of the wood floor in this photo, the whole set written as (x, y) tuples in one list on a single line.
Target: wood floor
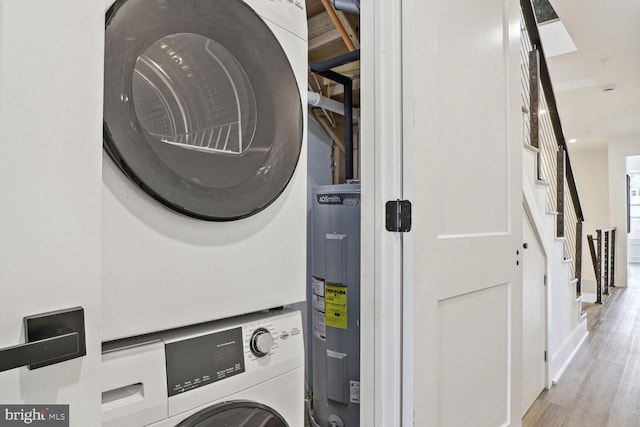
[(601, 387)]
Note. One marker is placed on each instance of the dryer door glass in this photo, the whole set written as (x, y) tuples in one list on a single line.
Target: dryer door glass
[(201, 107), (237, 414), (191, 92)]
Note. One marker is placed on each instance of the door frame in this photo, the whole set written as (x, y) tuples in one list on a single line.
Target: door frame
[(385, 363), (537, 223), (622, 231), (387, 306), (618, 151), (536, 226)]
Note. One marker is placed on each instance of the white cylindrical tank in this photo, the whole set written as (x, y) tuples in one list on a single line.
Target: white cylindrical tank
[(335, 305)]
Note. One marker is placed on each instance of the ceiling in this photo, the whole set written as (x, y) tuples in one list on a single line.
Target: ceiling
[(606, 35)]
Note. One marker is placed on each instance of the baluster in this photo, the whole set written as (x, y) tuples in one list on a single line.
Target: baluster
[(613, 257), (560, 192), (594, 258), (579, 258), (606, 262)]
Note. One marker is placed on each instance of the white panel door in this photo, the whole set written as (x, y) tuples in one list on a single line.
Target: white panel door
[(50, 126), (533, 317), (463, 150)]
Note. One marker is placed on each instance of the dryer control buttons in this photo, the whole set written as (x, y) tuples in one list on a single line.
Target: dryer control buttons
[(261, 342)]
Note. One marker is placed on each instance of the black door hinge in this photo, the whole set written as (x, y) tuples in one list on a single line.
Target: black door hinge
[(545, 356), (398, 216)]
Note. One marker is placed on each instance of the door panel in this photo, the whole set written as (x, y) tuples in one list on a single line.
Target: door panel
[(471, 120), (464, 154), (467, 323), (50, 122)]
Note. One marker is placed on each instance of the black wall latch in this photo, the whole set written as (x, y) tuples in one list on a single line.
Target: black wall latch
[(398, 216), (51, 337)]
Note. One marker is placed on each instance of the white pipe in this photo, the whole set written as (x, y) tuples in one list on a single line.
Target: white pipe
[(317, 100)]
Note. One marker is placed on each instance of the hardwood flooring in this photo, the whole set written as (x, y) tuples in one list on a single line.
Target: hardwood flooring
[(601, 387)]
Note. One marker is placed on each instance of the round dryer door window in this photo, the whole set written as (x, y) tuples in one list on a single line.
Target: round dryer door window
[(201, 107), (237, 414)]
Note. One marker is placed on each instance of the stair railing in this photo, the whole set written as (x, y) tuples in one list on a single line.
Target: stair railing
[(546, 137), (603, 255)]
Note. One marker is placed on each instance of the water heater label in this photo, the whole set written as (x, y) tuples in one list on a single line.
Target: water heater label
[(319, 328), (317, 286), (347, 199), (354, 391), (335, 303), (317, 303)]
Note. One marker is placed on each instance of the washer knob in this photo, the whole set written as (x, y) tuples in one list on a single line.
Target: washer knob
[(261, 342)]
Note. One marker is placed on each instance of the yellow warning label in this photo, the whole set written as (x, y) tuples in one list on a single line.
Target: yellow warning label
[(335, 306)]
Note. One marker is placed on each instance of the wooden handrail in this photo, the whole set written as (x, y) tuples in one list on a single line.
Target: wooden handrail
[(573, 189)]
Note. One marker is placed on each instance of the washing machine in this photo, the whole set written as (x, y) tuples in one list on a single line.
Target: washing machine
[(241, 372), (204, 170)]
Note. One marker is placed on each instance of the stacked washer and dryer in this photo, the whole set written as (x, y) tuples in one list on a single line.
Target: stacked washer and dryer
[(204, 211)]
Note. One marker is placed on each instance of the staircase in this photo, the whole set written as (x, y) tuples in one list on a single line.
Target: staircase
[(551, 202)]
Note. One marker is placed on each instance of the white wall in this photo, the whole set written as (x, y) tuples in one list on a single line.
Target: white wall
[(51, 72), (565, 329), (618, 151), (633, 163), (591, 170)]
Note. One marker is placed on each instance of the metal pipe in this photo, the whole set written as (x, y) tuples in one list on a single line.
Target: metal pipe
[(324, 69), (352, 6), (348, 130), (317, 100), (326, 65), (348, 118)]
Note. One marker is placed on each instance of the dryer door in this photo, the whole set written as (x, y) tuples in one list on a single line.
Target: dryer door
[(201, 107), (237, 414)]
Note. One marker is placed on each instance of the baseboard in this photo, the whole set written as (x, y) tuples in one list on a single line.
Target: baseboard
[(588, 297), (561, 360), (588, 286)]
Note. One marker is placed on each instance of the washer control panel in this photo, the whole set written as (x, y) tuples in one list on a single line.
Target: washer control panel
[(269, 339), (258, 346), (203, 360)]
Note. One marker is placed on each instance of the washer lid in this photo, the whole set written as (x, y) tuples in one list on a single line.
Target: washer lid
[(237, 414), (201, 107)]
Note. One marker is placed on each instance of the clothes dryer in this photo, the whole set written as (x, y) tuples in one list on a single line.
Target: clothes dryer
[(204, 172), (241, 372)]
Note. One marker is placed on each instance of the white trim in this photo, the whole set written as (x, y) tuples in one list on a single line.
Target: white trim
[(381, 262), (408, 348), (533, 212), (561, 360)]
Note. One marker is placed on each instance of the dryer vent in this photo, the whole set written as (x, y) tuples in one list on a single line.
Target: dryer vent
[(352, 6)]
